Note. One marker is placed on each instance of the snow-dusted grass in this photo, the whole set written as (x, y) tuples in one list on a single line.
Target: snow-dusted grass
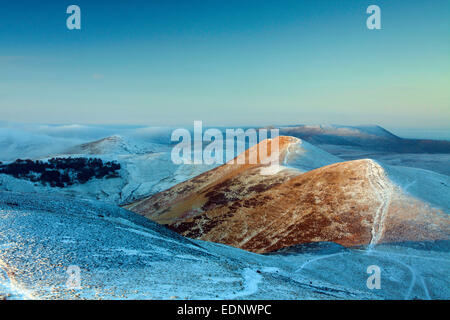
[(125, 256)]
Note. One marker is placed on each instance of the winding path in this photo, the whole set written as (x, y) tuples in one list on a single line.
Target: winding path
[(383, 191), (416, 277)]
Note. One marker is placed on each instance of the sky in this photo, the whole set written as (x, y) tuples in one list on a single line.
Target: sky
[(227, 62)]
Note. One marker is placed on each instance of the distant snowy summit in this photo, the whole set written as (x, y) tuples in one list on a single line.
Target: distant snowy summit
[(340, 130), (113, 145), (368, 137)]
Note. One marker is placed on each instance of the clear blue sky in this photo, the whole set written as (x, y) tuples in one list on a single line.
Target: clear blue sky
[(226, 62)]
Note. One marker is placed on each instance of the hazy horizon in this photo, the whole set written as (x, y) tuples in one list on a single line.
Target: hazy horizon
[(94, 131)]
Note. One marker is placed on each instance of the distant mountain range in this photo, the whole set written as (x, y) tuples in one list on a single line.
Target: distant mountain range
[(364, 137)]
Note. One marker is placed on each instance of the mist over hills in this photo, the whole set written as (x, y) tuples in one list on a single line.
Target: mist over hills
[(18, 139)]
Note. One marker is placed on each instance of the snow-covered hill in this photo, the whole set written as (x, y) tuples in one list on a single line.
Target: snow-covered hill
[(121, 255), (234, 180), (146, 168), (304, 156), (115, 145)]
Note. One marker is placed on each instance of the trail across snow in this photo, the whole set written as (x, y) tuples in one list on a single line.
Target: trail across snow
[(383, 191), (319, 258), (415, 275), (251, 280)]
